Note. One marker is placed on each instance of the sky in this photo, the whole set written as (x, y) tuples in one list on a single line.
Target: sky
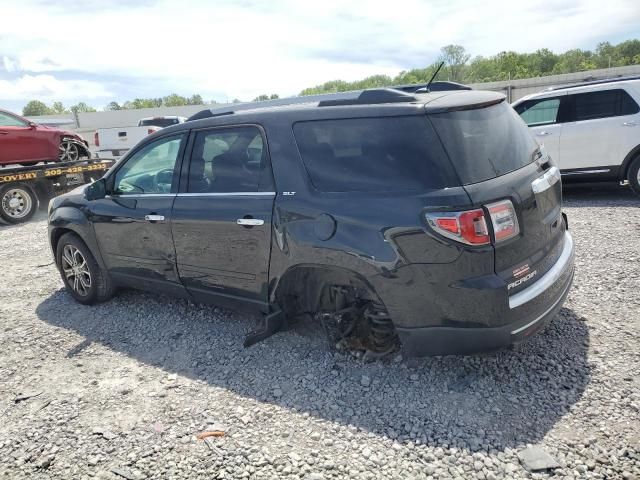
[(99, 51)]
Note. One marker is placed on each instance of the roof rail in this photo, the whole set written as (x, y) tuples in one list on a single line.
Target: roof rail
[(372, 96), (279, 102), (593, 82)]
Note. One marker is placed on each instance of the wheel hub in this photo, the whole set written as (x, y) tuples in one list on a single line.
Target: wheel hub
[(16, 203)]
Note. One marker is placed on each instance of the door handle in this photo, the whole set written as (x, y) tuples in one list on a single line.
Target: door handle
[(630, 124), (3, 132), (154, 218), (250, 222), (543, 134)]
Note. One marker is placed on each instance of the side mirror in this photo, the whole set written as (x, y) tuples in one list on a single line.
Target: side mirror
[(32, 125), (96, 190)]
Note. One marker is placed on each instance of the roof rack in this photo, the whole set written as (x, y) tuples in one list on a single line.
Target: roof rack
[(593, 82), (355, 97)]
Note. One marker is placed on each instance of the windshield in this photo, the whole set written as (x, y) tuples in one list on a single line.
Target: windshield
[(486, 142), (158, 122)]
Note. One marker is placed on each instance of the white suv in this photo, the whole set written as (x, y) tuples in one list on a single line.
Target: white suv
[(591, 130)]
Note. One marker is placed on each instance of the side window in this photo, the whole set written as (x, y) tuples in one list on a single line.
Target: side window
[(374, 154), (7, 120), (539, 112), (227, 160), (603, 104), (151, 169)]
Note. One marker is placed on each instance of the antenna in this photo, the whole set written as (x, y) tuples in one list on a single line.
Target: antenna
[(434, 75)]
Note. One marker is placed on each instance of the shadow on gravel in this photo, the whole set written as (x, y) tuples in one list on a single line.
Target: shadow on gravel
[(499, 400), (598, 194)]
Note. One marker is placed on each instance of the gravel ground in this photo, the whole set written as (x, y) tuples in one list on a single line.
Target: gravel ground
[(120, 390)]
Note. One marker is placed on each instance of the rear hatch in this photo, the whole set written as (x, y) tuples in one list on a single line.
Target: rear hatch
[(498, 162)]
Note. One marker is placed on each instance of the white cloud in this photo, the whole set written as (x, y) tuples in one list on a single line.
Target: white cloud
[(49, 88), (248, 48)]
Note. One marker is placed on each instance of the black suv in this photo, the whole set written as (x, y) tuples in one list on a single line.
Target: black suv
[(430, 221)]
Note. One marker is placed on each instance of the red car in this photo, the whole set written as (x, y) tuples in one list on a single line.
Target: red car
[(27, 143)]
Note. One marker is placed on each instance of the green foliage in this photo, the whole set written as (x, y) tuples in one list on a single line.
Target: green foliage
[(82, 108), (59, 108), (113, 106), (460, 67), (261, 98), (36, 107)]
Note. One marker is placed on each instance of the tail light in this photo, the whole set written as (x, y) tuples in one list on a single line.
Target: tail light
[(504, 220), (96, 139), (470, 226)]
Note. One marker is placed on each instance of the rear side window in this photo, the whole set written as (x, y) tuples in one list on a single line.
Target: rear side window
[(227, 160), (373, 154), (485, 143), (543, 111), (603, 104)]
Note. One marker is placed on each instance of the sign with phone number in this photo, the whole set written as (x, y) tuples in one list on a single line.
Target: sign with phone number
[(54, 172)]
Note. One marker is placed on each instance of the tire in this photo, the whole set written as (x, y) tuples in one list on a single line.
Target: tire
[(83, 278), (633, 175), (68, 151), (18, 203)]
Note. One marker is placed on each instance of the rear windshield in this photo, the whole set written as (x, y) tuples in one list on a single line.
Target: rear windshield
[(485, 143), (158, 122), (373, 154)]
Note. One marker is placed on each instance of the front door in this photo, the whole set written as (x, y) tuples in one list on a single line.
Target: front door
[(20, 142), (222, 218), (133, 222), (542, 116)]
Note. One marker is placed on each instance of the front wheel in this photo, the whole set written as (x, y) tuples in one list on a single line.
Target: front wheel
[(634, 175), (69, 151), (83, 278), (18, 203)]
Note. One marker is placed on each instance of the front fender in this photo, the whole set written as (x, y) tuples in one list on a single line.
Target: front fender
[(71, 219), (83, 147)]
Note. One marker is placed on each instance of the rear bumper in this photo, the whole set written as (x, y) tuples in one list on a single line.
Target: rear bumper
[(113, 153), (530, 310)]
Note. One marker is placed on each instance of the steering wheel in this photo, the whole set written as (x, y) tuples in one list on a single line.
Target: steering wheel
[(162, 180)]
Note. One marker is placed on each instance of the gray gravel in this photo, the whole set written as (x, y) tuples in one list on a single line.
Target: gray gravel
[(120, 390)]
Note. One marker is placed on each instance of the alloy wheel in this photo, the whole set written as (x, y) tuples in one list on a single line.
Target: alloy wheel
[(76, 270), (16, 203), (68, 152)]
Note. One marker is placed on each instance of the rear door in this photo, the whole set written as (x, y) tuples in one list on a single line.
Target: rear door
[(222, 216), (543, 117), (497, 159), (603, 129)]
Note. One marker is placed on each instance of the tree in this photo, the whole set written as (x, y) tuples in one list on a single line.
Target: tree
[(59, 108), (195, 100), (174, 100), (455, 58), (35, 108), (113, 106), (261, 98), (82, 108)]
